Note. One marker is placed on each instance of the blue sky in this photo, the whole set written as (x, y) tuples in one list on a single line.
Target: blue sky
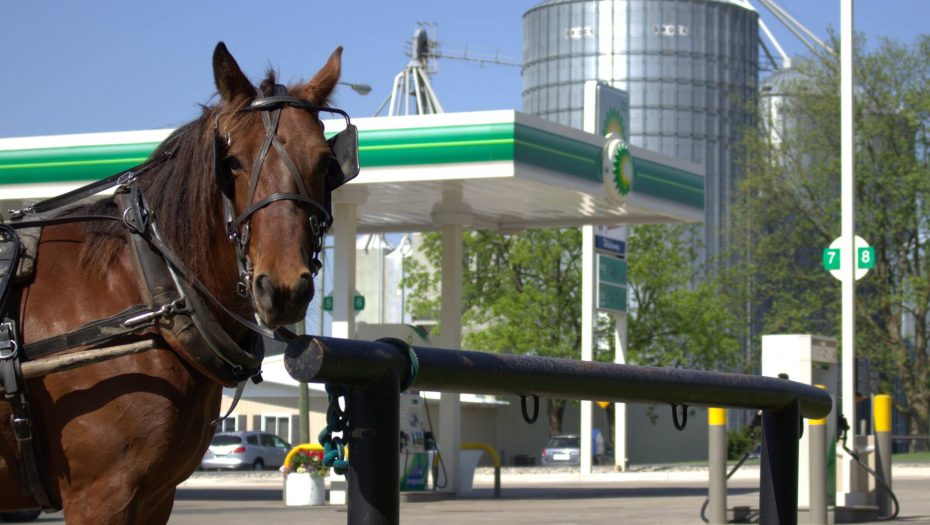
[(107, 65)]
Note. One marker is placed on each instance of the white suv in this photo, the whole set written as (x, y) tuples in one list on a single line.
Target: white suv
[(245, 450)]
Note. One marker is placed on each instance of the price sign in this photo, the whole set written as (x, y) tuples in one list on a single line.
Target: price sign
[(358, 303), (832, 258)]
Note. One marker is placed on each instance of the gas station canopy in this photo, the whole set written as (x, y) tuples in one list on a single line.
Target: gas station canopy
[(506, 170)]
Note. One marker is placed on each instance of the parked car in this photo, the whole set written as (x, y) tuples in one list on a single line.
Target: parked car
[(245, 450), (566, 450), (562, 450)]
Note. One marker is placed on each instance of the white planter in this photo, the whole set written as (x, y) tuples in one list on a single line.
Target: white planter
[(468, 460), (302, 489)]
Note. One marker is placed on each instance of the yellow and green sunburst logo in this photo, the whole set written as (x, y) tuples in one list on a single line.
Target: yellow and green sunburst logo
[(613, 123), (623, 170)]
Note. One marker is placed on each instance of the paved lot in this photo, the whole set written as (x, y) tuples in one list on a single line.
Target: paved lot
[(526, 500)]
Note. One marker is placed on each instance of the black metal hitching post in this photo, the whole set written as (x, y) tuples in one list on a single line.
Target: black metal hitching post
[(373, 371), (374, 439), (778, 491)]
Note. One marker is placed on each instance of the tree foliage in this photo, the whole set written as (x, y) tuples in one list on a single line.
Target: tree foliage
[(679, 315), (788, 209), (522, 295), (520, 292)]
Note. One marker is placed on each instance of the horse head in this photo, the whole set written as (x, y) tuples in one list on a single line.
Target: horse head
[(276, 171)]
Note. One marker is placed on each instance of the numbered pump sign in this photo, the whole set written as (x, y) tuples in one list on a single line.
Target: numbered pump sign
[(865, 258)]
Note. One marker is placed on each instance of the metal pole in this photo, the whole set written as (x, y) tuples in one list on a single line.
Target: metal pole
[(348, 362), (303, 409), (717, 459), (374, 439), (778, 491), (882, 422), (817, 437), (848, 213)]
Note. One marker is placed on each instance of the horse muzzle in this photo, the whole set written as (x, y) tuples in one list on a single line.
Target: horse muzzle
[(279, 303)]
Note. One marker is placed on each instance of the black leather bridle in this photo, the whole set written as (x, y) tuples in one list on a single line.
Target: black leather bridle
[(343, 167)]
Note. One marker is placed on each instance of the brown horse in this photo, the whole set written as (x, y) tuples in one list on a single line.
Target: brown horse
[(117, 437)]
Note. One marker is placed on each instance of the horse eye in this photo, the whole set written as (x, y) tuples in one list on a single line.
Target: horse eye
[(232, 163)]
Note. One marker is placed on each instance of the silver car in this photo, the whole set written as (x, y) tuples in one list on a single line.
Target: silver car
[(245, 450), (562, 450)]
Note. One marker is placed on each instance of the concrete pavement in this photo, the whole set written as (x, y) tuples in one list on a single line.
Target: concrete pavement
[(530, 496)]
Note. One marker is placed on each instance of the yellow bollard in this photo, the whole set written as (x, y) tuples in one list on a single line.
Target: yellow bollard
[(717, 465), (881, 422), (817, 432)]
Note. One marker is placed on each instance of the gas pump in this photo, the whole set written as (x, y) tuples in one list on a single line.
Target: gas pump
[(416, 454), (810, 359), (415, 459)]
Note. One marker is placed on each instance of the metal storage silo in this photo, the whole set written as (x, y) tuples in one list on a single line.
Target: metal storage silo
[(690, 66), (775, 92)]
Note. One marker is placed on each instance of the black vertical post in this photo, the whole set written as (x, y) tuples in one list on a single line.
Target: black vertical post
[(374, 442), (778, 495)]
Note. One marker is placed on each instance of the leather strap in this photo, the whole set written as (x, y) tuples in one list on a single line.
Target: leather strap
[(10, 251), (14, 391), (203, 340), (232, 406), (79, 194), (95, 332)]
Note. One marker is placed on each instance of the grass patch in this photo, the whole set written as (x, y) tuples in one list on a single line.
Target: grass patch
[(911, 457)]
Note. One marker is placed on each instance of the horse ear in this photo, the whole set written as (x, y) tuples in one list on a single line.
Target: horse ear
[(321, 85), (231, 82)]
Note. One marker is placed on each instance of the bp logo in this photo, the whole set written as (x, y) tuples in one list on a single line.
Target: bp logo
[(613, 123), (618, 170)]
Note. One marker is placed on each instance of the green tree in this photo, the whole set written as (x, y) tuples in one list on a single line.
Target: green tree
[(787, 210), (679, 316), (522, 295)]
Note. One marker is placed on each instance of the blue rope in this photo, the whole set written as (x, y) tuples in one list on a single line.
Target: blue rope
[(334, 448), (337, 421), (411, 356)]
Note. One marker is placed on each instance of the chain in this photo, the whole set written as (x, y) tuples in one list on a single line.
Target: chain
[(336, 422)]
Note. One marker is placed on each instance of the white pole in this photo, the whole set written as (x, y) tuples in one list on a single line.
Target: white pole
[(450, 318), (588, 313), (344, 220), (346, 201), (620, 338), (848, 251)]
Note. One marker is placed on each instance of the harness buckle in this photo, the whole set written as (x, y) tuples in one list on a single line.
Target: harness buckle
[(242, 288), (131, 216), (21, 428), (8, 349), (126, 178), (16, 215), (178, 306)]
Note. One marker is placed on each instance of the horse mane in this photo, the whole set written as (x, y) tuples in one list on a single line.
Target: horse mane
[(181, 191)]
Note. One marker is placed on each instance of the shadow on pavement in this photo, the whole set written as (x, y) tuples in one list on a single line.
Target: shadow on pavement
[(274, 494), (229, 494), (599, 492)]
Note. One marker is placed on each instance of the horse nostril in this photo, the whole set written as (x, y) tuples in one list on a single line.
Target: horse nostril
[(303, 286), (263, 285)]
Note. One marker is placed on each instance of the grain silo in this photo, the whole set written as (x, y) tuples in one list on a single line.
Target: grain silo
[(690, 66)]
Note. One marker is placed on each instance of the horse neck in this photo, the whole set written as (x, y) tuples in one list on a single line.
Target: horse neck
[(189, 213)]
